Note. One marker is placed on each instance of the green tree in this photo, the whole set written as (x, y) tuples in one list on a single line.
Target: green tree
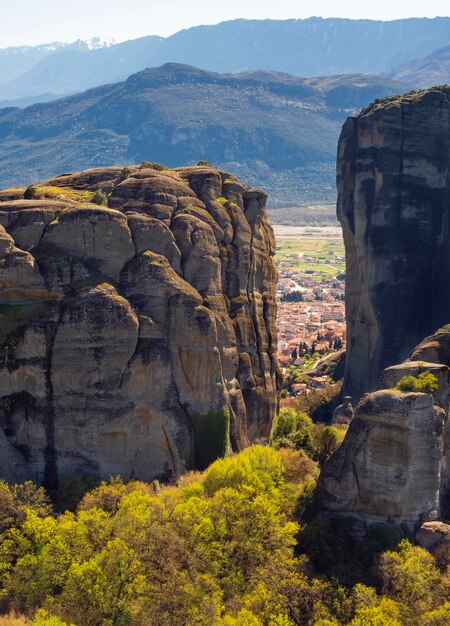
[(409, 576)]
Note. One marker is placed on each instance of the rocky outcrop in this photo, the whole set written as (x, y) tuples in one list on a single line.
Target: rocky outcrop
[(394, 206), (393, 463), (123, 326), (343, 414)]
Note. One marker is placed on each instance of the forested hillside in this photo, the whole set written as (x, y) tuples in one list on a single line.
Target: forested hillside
[(274, 131)]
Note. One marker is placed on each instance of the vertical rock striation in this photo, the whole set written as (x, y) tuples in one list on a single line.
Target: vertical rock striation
[(393, 465), (125, 328), (394, 205)]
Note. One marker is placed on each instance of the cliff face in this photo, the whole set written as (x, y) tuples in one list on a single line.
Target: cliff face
[(394, 207), (393, 463), (129, 332)]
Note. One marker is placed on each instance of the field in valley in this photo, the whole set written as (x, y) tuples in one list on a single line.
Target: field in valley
[(317, 253)]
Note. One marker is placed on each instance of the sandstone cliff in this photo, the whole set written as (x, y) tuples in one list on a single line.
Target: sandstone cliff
[(129, 332), (394, 206), (393, 463)]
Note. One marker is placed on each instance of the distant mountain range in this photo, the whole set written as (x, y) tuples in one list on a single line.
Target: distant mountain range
[(311, 47), (433, 69), (273, 130), (16, 61)]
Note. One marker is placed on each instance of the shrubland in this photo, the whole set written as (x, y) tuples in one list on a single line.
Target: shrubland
[(239, 544)]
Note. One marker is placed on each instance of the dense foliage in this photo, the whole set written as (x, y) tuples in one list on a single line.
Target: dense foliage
[(295, 429), (220, 549), (426, 382)]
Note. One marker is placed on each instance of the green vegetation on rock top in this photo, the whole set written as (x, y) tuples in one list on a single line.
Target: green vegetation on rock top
[(408, 98), (426, 382)]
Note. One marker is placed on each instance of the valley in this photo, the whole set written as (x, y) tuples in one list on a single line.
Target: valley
[(311, 308), (225, 323)]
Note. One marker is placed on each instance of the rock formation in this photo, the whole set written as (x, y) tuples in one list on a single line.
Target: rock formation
[(393, 465), (126, 329), (394, 207), (343, 414)]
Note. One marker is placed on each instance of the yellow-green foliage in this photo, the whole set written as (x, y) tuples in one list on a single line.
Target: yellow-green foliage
[(295, 429), (11, 189), (61, 193), (226, 203), (426, 382), (218, 549), (43, 618)]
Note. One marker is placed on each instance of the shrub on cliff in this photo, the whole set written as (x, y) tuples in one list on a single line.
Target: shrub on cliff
[(30, 193), (100, 198), (426, 382), (153, 166)]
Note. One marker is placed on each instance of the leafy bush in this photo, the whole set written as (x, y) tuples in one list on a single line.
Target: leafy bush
[(294, 429), (153, 166), (257, 467), (126, 172), (99, 198), (320, 403), (61, 193), (204, 163), (43, 618), (30, 193), (426, 382)]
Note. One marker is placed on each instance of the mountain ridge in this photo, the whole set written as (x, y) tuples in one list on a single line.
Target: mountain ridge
[(311, 47), (423, 72), (275, 130)]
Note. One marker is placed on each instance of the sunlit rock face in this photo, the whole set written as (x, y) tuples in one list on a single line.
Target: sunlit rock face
[(394, 206), (393, 465), (122, 324)]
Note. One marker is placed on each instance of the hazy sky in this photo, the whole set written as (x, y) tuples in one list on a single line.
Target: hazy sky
[(41, 21)]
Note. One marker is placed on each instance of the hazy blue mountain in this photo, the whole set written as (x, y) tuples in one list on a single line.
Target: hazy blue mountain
[(433, 69), (274, 130), (311, 47), (16, 61)]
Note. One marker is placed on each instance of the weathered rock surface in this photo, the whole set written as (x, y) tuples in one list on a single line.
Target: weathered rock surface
[(121, 324), (393, 463), (343, 414), (433, 535), (394, 206)]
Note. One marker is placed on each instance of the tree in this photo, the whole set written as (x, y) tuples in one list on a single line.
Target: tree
[(410, 576), (30, 193), (100, 198), (326, 440)]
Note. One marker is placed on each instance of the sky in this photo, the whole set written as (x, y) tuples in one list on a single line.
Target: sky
[(29, 22)]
